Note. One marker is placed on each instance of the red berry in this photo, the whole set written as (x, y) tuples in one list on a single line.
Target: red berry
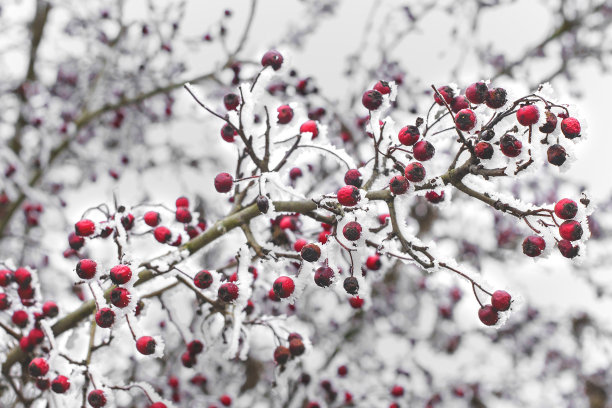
[(322, 238), (152, 218), (567, 249), (349, 196), (182, 202), (353, 178), (382, 87), (188, 360), (285, 114), (397, 391), (409, 135), (228, 292), (120, 274), (342, 371), (272, 59), (324, 276), (228, 132), (533, 245), (225, 400), (203, 279), (556, 155), (415, 172), (20, 318), (75, 241), (84, 228), (465, 120), (281, 355), (352, 231), (299, 244), (6, 277), (26, 345), (283, 287), (86, 268), (566, 209), (146, 345), (162, 234), (127, 221), (398, 185), (183, 215), (4, 301), (60, 384), (510, 145), (570, 230), (477, 92), (310, 252), (38, 367), (423, 150), (195, 347), (446, 92), (570, 127), (458, 103), (120, 297), (310, 126), (501, 300), (296, 347), (50, 309), (372, 99), (434, 197), (22, 277), (96, 398), (231, 101), (496, 98), (295, 173), (373, 262), (528, 115), (551, 123), (223, 182), (488, 315), (288, 222), (36, 336), (483, 150), (272, 296), (105, 317)]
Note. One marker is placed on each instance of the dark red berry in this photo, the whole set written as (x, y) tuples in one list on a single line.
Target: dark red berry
[(75, 241), (295, 173), (458, 103), (353, 178), (423, 150), (22, 277), (398, 185), (566, 209), (501, 300), (533, 245), (262, 204), (570, 230), (556, 155), (195, 347), (228, 292), (382, 87), (310, 252), (105, 317), (296, 347), (188, 360), (352, 231), (6, 277), (434, 197), (510, 145), (477, 92), (60, 384), (120, 297), (223, 182), (203, 279), (351, 285), (96, 398), (483, 150), (551, 123), (409, 135), (324, 276), (465, 119), (127, 221), (372, 99), (272, 59), (146, 345), (4, 301), (228, 132), (496, 98), (283, 286), (567, 249), (183, 215), (50, 309), (446, 92), (20, 318), (528, 115), (488, 315), (281, 355), (38, 367), (231, 101), (285, 114), (415, 172)]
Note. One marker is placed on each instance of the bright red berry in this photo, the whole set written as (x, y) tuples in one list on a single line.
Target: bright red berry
[(465, 119), (105, 317), (158, 405), (86, 268), (4, 301), (446, 92), (36, 336), (501, 300), (203, 279), (488, 315), (50, 309), (570, 230), (349, 196), (75, 241), (342, 371), (152, 218), (310, 126), (84, 228), (120, 297), (570, 127), (433, 197), (477, 92), (38, 367), (533, 245), (20, 318), (162, 234), (120, 274), (146, 345), (397, 391), (353, 178), (295, 173), (60, 384), (225, 400), (409, 135), (415, 172), (299, 244), (285, 114), (6, 277), (22, 277), (373, 262), (183, 215), (223, 182), (289, 222), (372, 99), (566, 209), (528, 115), (423, 150), (283, 287), (322, 238), (382, 87), (228, 292)]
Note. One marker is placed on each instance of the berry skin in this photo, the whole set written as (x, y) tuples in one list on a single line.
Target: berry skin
[(84, 228), (351, 285), (373, 262), (324, 276), (60, 384), (75, 242), (162, 234), (188, 360), (352, 231), (22, 277), (6, 277), (181, 202), (434, 197), (50, 309), (310, 126), (415, 172), (223, 182), (4, 301), (446, 92), (570, 230), (397, 391), (228, 292), (195, 347), (96, 398), (398, 185), (120, 297), (228, 133), (283, 287), (36, 336), (353, 178), (231, 101), (556, 155), (349, 196), (272, 59), (570, 127), (342, 371), (423, 150), (299, 244), (285, 114), (296, 347), (409, 135), (20, 318), (496, 98), (120, 274), (310, 252), (567, 249), (281, 355), (488, 315), (551, 123), (477, 92), (158, 405), (288, 222), (38, 367), (295, 173), (183, 215), (152, 218), (483, 150), (528, 115), (458, 103), (372, 99), (465, 120), (533, 245), (146, 345), (323, 236), (105, 317), (203, 279), (566, 209), (510, 145), (501, 300), (382, 87)]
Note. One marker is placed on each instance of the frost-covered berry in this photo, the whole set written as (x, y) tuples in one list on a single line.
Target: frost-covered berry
[(397, 391), (551, 123), (225, 400), (120, 274), (322, 238), (195, 347), (36, 336), (310, 252), (433, 197), (382, 87), (288, 222), (415, 172), (158, 405), (281, 355), (351, 285), (146, 345), (446, 92), (556, 155), (127, 221), (465, 119), (228, 132), (566, 209), (162, 234), (188, 360), (398, 185), (299, 244), (528, 115), (488, 315), (496, 98), (231, 101), (50, 309), (22, 277), (84, 228), (477, 92), (38, 367), (20, 318), (6, 277), (296, 347), (283, 286), (60, 384), (96, 398), (570, 230), (228, 292), (373, 262), (533, 245), (352, 231), (356, 302), (324, 276), (483, 150), (353, 178), (458, 103), (75, 242), (570, 127), (4, 301), (203, 279), (409, 135), (501, 300), (223, 182), (285, 114), (310, 126), (152, 218), (423, 150), (568, 249), (510, 145), (183, 215), (272, 59), (120, 297), (295, 173), (181, 202), (372, 99), (349, 196), (105, 317)]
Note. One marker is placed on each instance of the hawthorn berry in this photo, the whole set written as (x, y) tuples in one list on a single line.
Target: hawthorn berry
[(127, 221), (22, 277), (551, 123), (397, 390), (566, 209), (38, 367), (423, 150), (231, 101), (158, 405), (195, 347), (483, 150), (50, 309), (105, 317), (352, 231), (228, 292), (496, 98), (409, 135), (26, 345), (285, 114), (487, 135), (281, 355), (570, 127), (556, 155), (228, 132), (446, 92), (323, 236), (272, 59), (4, 301), (488, 315), (272, 296), (477, 92), (372, 99), (183, 215), (533, 245), (570, 230), (458, 103), (162, 234), (188, 360), (299, 244), (342, 371), (373, 262), (324, 276), (567, 249), (20, 318), (96, 398), (120, 274), (353, 178), (415, 172), (26, 294), (510, 145), (6, 277), (398, 185), (528, 115), (84, 228), (223, 182), (434, 197), (288, 222), (296, 347), (382, 87), (349, 196), (310, 126), (465, 120), (500, 300), (283, 286), (262, 204), (60, 384), (203, 279), (152, 218), (351, 285), (295, 173), (146, 345), (120, 297)]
